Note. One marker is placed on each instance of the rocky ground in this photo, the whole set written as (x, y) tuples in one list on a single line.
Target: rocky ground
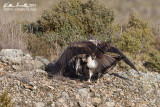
[(29, 86)]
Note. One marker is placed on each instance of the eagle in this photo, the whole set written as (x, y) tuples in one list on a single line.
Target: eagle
[(89, 58)]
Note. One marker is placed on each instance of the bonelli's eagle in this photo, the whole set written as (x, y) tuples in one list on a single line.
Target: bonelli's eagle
[(89, 58)]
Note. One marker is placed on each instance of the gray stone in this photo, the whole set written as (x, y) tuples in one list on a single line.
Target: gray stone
[(96, 101), (39, 64), (16, 67), (42, 59), (83, 92), (133, 72), (28, 63), (82, 104), (26, 80), (53, 104), (106, 76), (51, 87), (28, 56), (58, 104), (1, 69), (40, 104), (40, 71), (158, 77), (65, 96), (11, 56), (110, 104)]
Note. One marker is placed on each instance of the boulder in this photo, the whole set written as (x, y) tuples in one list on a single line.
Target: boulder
[(11, 56)]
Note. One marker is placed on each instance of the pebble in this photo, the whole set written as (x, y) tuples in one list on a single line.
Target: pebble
[(26, 88), (40, 104)]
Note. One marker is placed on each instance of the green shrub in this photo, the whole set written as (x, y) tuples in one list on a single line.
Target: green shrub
[(153, 60), (137, 36), (73, 19), (38, 46), (5, 100)]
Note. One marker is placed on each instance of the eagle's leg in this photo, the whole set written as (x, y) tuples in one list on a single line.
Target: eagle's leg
[(89, 75), (77, 66)]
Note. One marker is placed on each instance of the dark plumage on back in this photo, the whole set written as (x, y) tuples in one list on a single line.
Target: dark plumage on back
[(97, 61), (106, 61), (76, 48)]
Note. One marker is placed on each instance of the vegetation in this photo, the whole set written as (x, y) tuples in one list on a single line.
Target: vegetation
[(75, 20), (5, 100), (153, 61), (137, 36)]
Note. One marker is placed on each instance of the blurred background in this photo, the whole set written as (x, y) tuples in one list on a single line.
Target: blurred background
[(52, 42), (148, 9)]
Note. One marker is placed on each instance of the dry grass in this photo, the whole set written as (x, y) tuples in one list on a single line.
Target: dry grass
[(156, 32), (148, 9), (11, 35)]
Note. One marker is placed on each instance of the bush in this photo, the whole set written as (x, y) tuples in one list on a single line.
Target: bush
[(73, 19), (38, 46), (5, 101), (137, 37), (153, 61)]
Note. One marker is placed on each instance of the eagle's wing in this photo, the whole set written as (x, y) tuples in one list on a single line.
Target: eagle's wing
[(105, 62), (107, 47), (124, 58), (76, 48)]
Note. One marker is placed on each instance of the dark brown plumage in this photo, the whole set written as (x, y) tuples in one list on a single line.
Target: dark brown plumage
[(76, 48), (94, 48)]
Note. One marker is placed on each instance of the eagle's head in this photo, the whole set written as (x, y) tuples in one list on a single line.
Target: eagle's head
[(94, 40)]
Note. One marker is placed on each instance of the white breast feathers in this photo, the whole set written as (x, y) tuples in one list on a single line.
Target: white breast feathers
[(91, 63)]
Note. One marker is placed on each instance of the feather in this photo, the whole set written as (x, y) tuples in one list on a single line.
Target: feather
[(76, 48), (125, 59)]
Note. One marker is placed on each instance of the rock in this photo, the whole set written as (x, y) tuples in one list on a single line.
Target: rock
[(110, 104), (96, 101), (41, 62), (61, 100), (53, 104), (51, 87), (25, 80), (65, 96), (28, 57), (28, 63), (106, 75), (83, 92), (1, 69), (40, 71), (11, 56), (16, 67), (30, 87), (82, 104), (42, 59), (58, 104), (133, 72), (40, 104)]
